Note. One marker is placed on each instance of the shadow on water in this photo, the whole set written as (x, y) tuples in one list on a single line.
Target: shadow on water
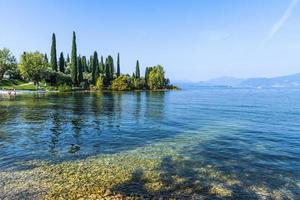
[(222, 168), (181, 180), (230, 178)]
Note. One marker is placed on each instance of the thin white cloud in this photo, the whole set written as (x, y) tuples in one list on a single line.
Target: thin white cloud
[(277, 26)]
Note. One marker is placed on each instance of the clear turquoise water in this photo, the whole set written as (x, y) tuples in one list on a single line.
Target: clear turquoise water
[(252, 135)]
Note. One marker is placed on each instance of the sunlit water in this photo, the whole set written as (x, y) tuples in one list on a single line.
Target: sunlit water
[(194, 143)]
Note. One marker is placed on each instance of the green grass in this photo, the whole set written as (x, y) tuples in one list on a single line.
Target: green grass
[(16, 84)]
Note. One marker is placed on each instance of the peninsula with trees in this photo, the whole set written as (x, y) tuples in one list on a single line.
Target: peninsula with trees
[(35, 71)]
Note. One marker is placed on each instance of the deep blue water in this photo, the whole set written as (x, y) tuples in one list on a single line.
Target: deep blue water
[(251, 134)]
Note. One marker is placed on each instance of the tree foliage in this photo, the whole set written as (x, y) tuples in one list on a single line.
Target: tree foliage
[(74, 70), (53, 61), (95, 65), (33, 66), (62, 63), (100, 83), (137, 70), (156, 78), (8, 62), (121, 83), (118, 66), (80, 70)]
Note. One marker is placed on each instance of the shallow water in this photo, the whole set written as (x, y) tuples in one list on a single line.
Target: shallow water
[(193, 143)]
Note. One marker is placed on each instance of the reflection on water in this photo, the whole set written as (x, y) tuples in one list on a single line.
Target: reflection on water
[(225, 143)]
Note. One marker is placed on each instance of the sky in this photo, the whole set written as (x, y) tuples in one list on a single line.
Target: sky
[(194, 40)]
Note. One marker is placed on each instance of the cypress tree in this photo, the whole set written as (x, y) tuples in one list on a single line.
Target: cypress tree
[(137, 70), (84, 64), (102, 66), (111, 67), (62, 63), (91, 63), (53, 61), (46, 58), (68, 59), (80, 70), (118, 65), (74, 72), (107, 72), (95, 70)]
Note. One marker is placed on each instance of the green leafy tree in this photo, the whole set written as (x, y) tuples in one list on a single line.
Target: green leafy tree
[(74, 70), (147, 72), (156, 78), (118, 65), (33, 66), (80, 69), (62, 63), (7, 62), (53, 61), (121, 83), (137, 70)]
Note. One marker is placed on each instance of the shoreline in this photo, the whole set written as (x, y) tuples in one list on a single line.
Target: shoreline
[(17, 92)]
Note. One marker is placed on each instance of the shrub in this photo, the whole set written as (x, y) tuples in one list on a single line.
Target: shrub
[(138, 83), (99, 83), (122, 83), (64, 88), (57, 78)]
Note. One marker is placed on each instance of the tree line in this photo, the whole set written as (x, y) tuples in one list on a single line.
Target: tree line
[(79, 72)]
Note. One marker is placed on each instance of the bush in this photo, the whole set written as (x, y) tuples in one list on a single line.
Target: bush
[(99, 83), (64, 88), (122, 83), (138, 83), (57, 78)]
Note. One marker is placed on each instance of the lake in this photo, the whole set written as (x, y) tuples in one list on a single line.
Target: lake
[(196, 143)]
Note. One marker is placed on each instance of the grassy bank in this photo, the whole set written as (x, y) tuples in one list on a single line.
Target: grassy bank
[(16, 84)]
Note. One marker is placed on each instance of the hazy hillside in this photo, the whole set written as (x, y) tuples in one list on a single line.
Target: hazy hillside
[(281, 81)]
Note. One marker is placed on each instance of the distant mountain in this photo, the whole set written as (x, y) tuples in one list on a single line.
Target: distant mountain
[(281, 81), (225, 81)]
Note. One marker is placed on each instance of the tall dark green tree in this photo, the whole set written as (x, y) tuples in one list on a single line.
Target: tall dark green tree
[(68, 59), (53, 59), (91, 63), (111, 67), (74, 70), (118, 65), (62, 63), (137, 70), (80, 69), (95, 69), (102, 66), (107, 73), (84, 64), (46, 58)]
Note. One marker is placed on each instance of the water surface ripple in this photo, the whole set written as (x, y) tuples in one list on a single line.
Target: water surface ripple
[(211, 142)]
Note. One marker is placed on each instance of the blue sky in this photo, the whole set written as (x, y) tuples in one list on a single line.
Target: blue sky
[(194, 40)]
